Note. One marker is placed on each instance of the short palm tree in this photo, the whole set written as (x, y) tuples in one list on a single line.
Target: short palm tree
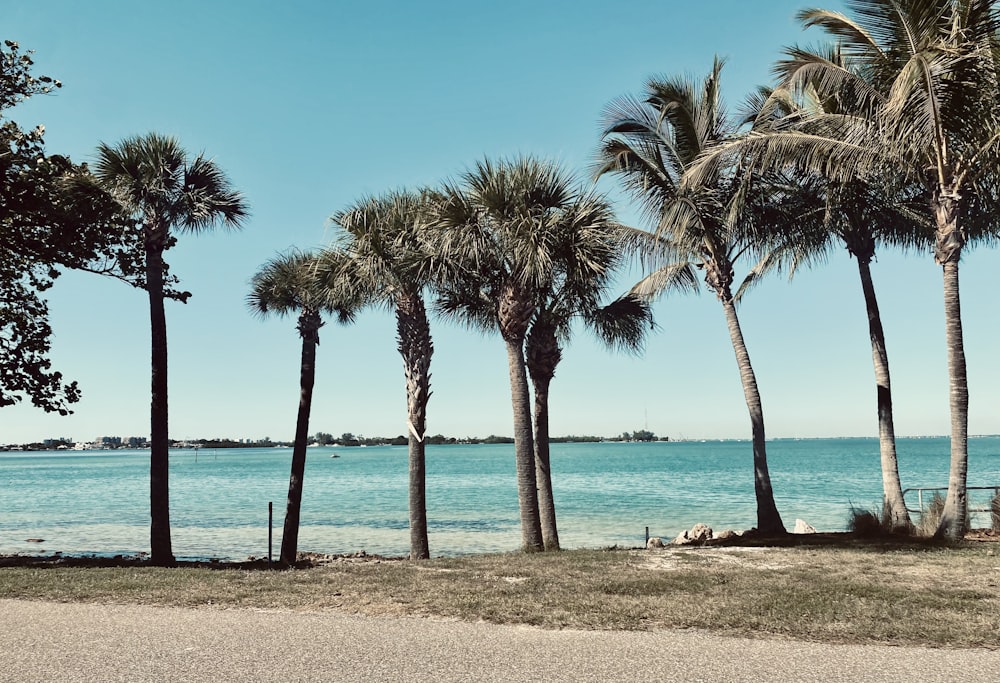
[(921, 99), (590, 253), (154, 180), (499, 223), (621, 324), (393, 262), (292, 284), (648, 145)]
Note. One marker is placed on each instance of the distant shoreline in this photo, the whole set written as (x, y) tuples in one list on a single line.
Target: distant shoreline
[(437, 440)]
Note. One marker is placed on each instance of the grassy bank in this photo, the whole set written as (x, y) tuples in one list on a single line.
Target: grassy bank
[(910, 595)]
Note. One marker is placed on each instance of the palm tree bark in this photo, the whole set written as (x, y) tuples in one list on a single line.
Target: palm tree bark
[(161, 551), (416, 348), (948, 251), (309, 324), (768, 519), (543, 355), (893, 503), (524, 450), (543, 472)]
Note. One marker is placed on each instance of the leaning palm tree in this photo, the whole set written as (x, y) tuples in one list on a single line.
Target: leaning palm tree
[(499, 222), (154, 180), (856, 214), (922, 100), (291, 284), (648, 145), (393, 262)]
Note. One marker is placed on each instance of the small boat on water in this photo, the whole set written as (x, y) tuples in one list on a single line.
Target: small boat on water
[(335, 455)]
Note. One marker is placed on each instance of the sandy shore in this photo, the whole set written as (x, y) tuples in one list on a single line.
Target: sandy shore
[(44, 641)]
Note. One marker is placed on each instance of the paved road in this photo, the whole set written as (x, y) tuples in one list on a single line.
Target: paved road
[(42, 641)]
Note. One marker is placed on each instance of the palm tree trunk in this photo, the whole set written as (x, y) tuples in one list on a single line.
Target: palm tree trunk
[(542, 355), (543, 472), (416, 348), (309, 324), (524, 449), (161, 552), (893, 503), (768, 520), (954, 516)]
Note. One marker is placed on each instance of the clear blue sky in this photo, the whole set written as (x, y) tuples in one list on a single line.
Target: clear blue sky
[(310, 105)]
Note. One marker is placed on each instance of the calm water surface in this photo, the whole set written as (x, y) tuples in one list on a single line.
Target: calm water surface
[(606, 494)]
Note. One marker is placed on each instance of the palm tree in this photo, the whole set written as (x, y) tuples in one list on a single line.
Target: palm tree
[(649, 145), (499, 222), (289, 284), (589, 253), (392, 256), (858, 214), (154, 180), (922, 100)]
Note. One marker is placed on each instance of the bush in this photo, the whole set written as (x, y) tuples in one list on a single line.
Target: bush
[(869, 523)]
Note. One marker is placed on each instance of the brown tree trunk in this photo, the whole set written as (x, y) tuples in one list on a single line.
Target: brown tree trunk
[(768, 520), (543, 355), (947, 252), (514, 313), (524, 450), (893, 502), (416, 348), (543, 471), (309, 324), (161, 551)]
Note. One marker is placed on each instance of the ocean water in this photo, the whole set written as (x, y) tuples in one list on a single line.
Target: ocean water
[(606, 494)]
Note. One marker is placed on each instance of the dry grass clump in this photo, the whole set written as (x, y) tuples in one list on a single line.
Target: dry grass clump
[(995, 512), (930, 516), (864, 523)]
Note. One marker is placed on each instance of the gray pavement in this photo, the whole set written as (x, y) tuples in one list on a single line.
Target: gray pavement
[(44, 641)]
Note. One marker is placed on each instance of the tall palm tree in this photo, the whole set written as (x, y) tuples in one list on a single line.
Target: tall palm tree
[(649, 144), (154, 180), (290, 284), (857, 214), (499, 221), (922, 100), (393, 262)]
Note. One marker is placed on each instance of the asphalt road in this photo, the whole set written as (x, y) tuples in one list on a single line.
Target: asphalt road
[(43, 641)]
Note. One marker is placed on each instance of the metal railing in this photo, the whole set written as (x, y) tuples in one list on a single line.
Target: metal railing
[(920, 496)]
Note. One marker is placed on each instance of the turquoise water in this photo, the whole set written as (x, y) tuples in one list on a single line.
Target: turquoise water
[(606, 494)]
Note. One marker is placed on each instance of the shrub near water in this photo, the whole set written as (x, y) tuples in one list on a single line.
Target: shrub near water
[(868, 523)]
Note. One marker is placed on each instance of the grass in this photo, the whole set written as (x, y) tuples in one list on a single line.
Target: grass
[(898, 593)]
